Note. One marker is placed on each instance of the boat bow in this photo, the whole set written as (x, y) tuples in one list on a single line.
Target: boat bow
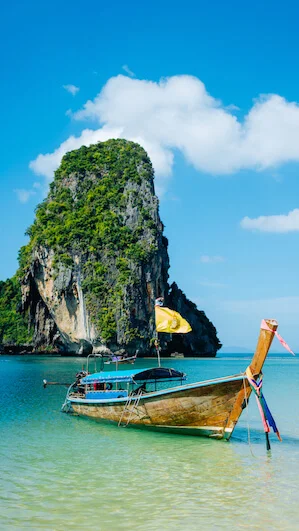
[(263, 345)]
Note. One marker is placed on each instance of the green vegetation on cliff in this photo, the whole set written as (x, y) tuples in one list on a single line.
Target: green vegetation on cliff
[(13, 325), (89, 216), (85, 215)]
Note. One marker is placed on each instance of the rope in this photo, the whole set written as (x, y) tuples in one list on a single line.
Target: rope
[(247, 415), (66, 406)]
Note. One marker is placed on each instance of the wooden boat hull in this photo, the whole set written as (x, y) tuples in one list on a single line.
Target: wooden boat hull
[(201, 409), (210, 408)]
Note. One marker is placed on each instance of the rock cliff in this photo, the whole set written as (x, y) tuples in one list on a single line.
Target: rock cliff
[(97, 259)]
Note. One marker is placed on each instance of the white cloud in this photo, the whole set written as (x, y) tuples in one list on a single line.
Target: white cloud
[(128, 70), (46, 164), (280, 223), (72, 89), (24, 195), (177, 113), (232, 107), (206, 259)]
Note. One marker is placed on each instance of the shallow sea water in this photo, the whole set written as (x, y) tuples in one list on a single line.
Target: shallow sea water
[(61, 472)]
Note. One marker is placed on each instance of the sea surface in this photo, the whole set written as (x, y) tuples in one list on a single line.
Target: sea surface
[(62, 472)]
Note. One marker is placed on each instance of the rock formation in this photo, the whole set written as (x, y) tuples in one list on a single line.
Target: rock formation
[(97, 259)]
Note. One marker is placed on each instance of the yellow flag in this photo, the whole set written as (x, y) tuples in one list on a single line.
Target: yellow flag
[(170, 321)]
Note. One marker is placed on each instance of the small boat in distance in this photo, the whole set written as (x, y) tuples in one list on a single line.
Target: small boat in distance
[(144, 399), (121, 359), (177, 355)]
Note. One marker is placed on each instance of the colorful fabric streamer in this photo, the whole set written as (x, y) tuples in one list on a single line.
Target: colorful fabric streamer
[(266, 415)]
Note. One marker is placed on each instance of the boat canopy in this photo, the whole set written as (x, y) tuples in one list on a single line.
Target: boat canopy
[(133, 375)]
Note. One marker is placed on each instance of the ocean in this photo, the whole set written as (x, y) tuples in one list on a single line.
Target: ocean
[(62, 472)]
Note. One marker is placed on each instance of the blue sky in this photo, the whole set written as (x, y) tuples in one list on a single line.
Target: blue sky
[(225, 142)]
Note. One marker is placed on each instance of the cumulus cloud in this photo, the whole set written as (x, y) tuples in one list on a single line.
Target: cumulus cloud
[(46, 164), (206, 259), (178, 113), (72, 89), (24, 195), (280, 223)]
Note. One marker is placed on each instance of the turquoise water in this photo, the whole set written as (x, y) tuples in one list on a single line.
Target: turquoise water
[(60, 472)]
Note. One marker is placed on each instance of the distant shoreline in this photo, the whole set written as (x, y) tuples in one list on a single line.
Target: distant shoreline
[(79, 356), (172, 358)]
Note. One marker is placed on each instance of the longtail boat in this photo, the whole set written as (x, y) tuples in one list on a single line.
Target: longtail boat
[(144, 398), (121, 360)]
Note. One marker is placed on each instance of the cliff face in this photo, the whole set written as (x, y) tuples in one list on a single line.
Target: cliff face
[(97, 259)]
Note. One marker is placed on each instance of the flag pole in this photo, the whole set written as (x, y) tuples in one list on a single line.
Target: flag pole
[(158, 302), (169, 322), (158, 349)]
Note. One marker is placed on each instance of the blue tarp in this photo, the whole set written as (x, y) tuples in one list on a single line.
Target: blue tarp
[(155, 373), (115, 376)]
